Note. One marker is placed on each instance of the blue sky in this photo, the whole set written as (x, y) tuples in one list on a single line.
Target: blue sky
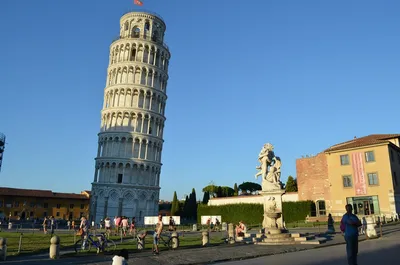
[(302, 75)]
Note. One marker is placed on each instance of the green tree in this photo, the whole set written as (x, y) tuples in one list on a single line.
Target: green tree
[(193, 204), (186, 206), (175, 205), (291, 184), (211, 189), (206, 197), (236, 190), (249, 187)]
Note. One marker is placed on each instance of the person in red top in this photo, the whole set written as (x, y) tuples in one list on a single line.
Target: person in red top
[(118, 224)]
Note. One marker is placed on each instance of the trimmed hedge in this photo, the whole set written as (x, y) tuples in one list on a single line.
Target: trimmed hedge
[(297, 211), (252, 213)]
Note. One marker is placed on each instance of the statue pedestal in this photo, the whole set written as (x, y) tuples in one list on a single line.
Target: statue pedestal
[(273, 218)]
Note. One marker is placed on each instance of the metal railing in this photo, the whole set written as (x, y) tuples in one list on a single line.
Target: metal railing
[(143, 37), (144, 11)]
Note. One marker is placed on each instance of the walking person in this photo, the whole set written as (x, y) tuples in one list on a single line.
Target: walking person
[(52, 225), (132, 230), (124, 224), (45, 225), (157, 234), (83, 228), (349, 225)]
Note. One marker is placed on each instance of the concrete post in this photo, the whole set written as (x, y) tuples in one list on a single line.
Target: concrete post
[(224, 226), (231, 234), (175, 240), (3, 249), (194, 227), (371, 231), (55, 247), (206, 238)]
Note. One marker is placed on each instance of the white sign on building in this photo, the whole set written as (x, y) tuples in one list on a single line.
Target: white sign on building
[(212, 218), (152, 220)]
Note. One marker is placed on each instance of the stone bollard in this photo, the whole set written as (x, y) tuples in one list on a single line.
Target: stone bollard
[(224, 226), (231, 234), (371, 231), (10, 225), (3, 249), (194, 227), (206, 238), (175, 240), (55, 247)]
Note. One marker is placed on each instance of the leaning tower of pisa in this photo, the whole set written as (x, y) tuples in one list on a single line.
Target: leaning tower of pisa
[(128, 163)]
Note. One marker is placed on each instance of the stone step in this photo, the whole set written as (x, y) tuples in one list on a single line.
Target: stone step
[(259, 235), (276, 243), (278, 235), (285, 239), (304, 238), (296, 235), (250, 235)]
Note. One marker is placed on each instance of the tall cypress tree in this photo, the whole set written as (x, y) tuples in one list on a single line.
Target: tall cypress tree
[(206, 197), (291, 185), (236, 190), (186, 207), (175, 205), (193, 204)]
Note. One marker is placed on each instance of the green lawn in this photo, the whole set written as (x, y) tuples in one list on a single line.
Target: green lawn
[(38, 242), (33, 242)]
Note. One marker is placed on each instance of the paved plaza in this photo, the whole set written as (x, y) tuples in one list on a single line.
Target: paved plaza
[(331, 252), (372, 252)]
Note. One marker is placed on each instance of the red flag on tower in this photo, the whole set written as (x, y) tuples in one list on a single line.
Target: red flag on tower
[(138, 2)]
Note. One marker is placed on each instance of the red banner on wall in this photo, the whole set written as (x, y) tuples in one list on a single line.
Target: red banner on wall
[(360, 183)]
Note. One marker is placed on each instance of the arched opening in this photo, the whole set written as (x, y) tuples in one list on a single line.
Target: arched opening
[(133, 54), (135, 32), (146, 29), (154, 36)]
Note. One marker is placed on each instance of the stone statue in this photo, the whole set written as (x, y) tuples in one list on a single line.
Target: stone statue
[(271, 208), (269, 169)]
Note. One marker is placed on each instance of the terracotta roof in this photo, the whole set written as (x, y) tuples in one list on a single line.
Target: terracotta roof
[(363, 141), (39, 193)]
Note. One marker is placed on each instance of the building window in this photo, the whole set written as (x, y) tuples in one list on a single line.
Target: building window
[(373, 179), (71, 206), (119, 178), (126, 25), (57, 214), (45, 205), (82, 206), (369, 156), (344, 160), (321, 209), (58, 206), (347, 183), (16, 204)]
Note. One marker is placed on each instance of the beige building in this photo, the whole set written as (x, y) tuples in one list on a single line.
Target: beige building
[(364, 172)]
